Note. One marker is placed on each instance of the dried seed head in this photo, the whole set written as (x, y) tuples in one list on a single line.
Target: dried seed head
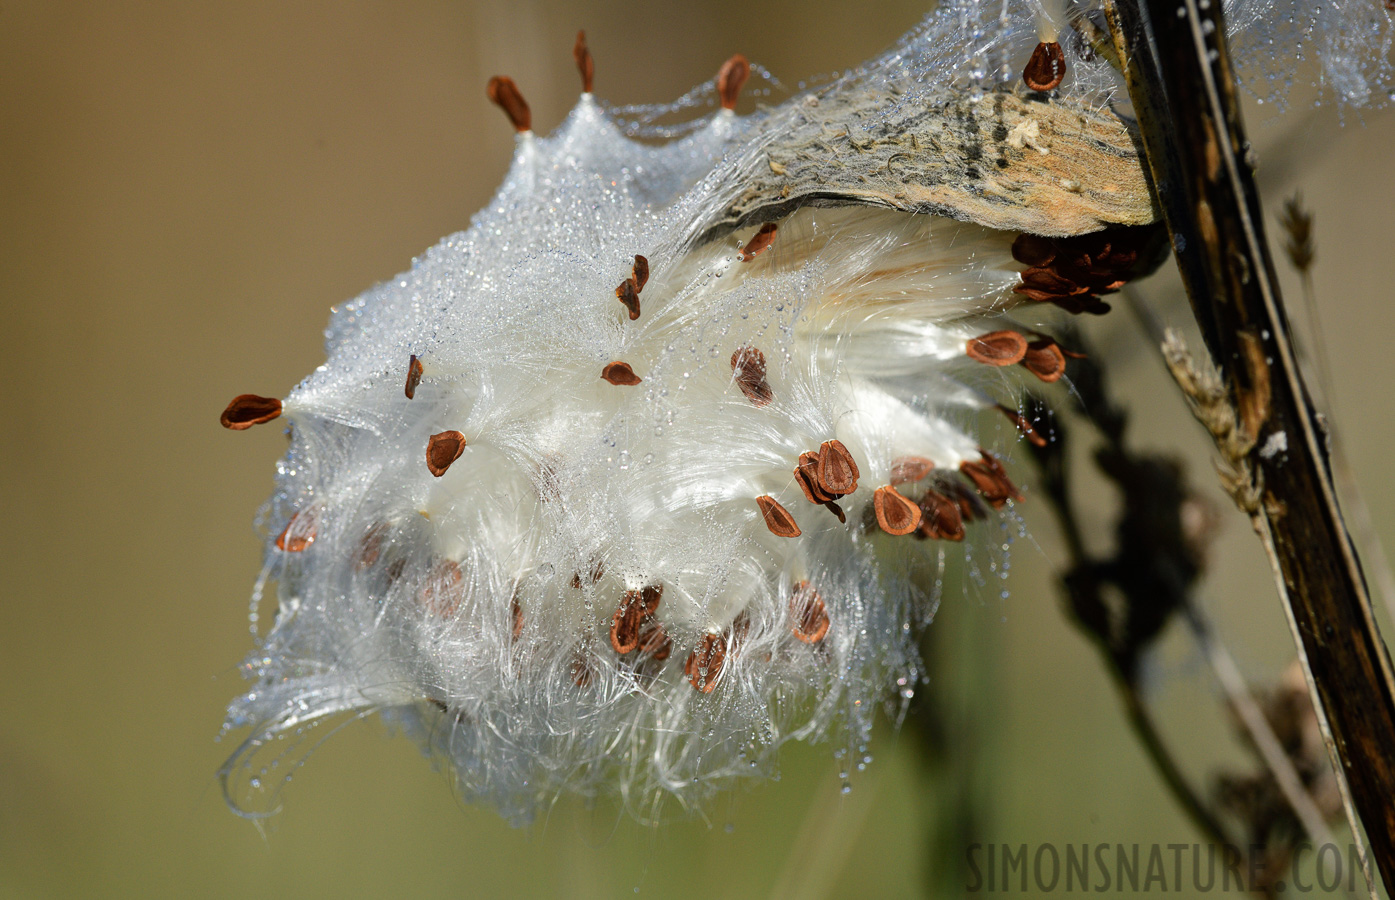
[(1046, 68), (584, 63), (442, 450), (1045, 359), (704, 665), (908, 469), (505, 95), (997, 348), (777, 518), (992, 481), (414, 373), (808, 616), (628, 294), (758, 242), (895, 514), (620, 374), (940, 517), (748, 365), (247, 410), (730, 78), (837, 470)]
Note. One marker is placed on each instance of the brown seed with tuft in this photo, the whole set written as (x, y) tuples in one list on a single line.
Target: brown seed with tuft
[(989, 477), (636, 607), (620, 374), (909, 469), (299, 532), (777, 518), (806, 475), (583, 671), (640, 273), (414, 373), (584, 63), (442, 450), (758, 243), (597, 572), (895, 514), (370, 546), (730, 78), (654, 642), (505, 95), (444, 589), (516, 614), (628, 294), (704, 665), (247, 410), (748, 365), (940, 517), (997, 348), (1046, 68), (1045, 359), (837, 469), (808, 615), (1036, 438)]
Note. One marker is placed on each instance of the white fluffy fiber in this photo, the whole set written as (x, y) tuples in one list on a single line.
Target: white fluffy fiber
[(862, 317)]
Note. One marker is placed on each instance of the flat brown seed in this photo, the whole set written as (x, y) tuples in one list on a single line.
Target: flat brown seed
[(837, 469), (654, 642), (628, 294), (895, 514), (624, 625), (582, 670), (444, 589), (748, 366), (442, 450), (997, 348), (806, 475), (247, 410), (758, 243), (777, 518), (414, 373), (1036, 438), (940, 517), (370, 546), (505, 95), (640, 273), (730, 79), (584, 63), (837, 511), (704, 665), (1045, 359), (299, 532), (649, 597), (516, 616), (908, 469), (990, 479), (808, 615), (1046, 68), (620, 374)]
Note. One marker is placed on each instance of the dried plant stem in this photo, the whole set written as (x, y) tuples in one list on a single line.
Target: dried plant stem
[(1179, 76)]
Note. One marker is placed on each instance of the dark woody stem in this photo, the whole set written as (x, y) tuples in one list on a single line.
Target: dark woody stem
[(1182, 86)]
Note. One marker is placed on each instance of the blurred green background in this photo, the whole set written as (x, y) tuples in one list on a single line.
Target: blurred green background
[(185, 189)]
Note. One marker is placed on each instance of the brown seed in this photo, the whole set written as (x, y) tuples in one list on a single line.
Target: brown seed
[(584, 63), (748, 365), (1046, 68), (620, 374), (624, 625), (504, 94), (516, 614), (649, 597), (583, 671), (758, 242), (1036, 438), (444, 589), (992, 481), (370, 546), (908, 469), (730, 79), (895, 514), (654, 642), (414, 373), (837, 469), (597, 572), (777, 518), (640, 273), (247, 410), (997, 348), (442, 450), (299, 532), (837, 511), (1045, 359), (806, 475), (968, 503), (940, 517), (628, 294), (704, 665), (1033, 250), (808, 616)]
